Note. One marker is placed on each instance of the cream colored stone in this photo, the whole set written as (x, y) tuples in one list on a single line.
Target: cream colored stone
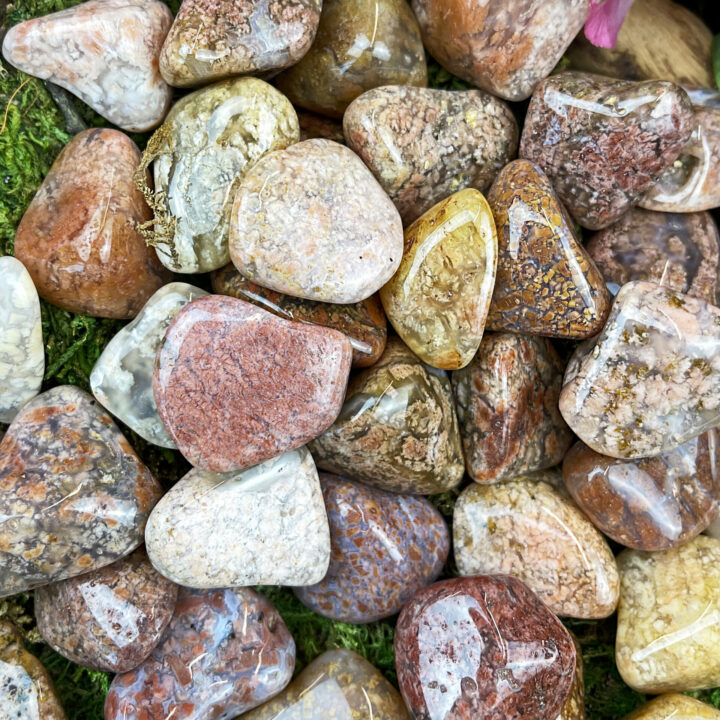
[(674, 706)]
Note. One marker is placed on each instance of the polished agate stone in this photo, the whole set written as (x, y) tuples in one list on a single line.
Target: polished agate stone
[(674, 706), (385, 547), (482, 647)]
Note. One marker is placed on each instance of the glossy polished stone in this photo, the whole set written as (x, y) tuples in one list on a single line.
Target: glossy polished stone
[(482, 647), (110, 619), (223, 653), (674, 706), (397, 430), (105, 52), (603, 142), (73, 494), (506, 401), (235, 413), (265, 525), (78, 238), (385, 547)]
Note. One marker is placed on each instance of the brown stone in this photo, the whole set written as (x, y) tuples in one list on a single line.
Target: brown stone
[(318, 126)]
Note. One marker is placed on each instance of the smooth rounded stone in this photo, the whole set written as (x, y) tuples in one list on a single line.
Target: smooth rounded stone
[(397, 430), (78, 238), (547, 284), (318, 126), (364, 323), (604, 142), (385, 547), (105, 52), (360, 44), (74, 496), (527, 528), (482, 647), (267, 385), (649, 382), (265, 525), (506, 401), (504, 49), (223, 653), (674, 706), (423, 145), (668, 634), (110, 619), (22, 354), (121, 379), (312, 221), (201, 153)]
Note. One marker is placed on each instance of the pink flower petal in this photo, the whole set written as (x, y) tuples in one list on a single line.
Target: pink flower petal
[(603, 23)]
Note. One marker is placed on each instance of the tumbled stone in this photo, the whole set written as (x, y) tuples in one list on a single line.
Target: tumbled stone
[(385, 547), (319, 126), (506, 401), (312, 221), (78, 238), (267, 385), (73, 494), (265, 525), (649, 382), (482, 647), (668, 635), (223, 653), (22, 354), (105, 52), (603, 142), (546, 282), (110, 619), (397, 429), (364, 322), (574, 708), (674, 706), (212, 40), (504, 49), (360, 44), (422, 144), (201, 153)]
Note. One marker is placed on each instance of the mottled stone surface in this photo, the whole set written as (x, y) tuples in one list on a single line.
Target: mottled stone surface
[(110, 619), (385, 547), (105, 52), (78, 238), (223, 653), (649, 383), (397, 429), (506, 401), (237, 413), (312, 221), (505, 49), (423, 145), (364, 323), (674, 706), (482, 647), (265, 525), (604, 142), (73, 494), (319, 126)]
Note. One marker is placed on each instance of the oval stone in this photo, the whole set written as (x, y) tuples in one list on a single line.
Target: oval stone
[(675, 706)]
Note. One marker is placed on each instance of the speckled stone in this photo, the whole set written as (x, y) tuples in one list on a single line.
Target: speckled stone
[(546, 282), (223, 653), (364, 323), (360, 44), (110, 619), (674, 706), (397, 429), (482, 647), (236, 413), (604, 142), (668, 635), (73, 494), (78, 238), (319, 126), (506, 401), (312, 221), (105, 52), (22, 354), (215, 39), (504, 49), (385, 547), (423, 145), (265, 525), (649, 383)]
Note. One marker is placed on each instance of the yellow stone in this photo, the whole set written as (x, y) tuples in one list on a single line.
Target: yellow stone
[(676, 707)]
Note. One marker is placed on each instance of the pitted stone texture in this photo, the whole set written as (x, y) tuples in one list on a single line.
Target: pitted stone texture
[(674, 706)]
